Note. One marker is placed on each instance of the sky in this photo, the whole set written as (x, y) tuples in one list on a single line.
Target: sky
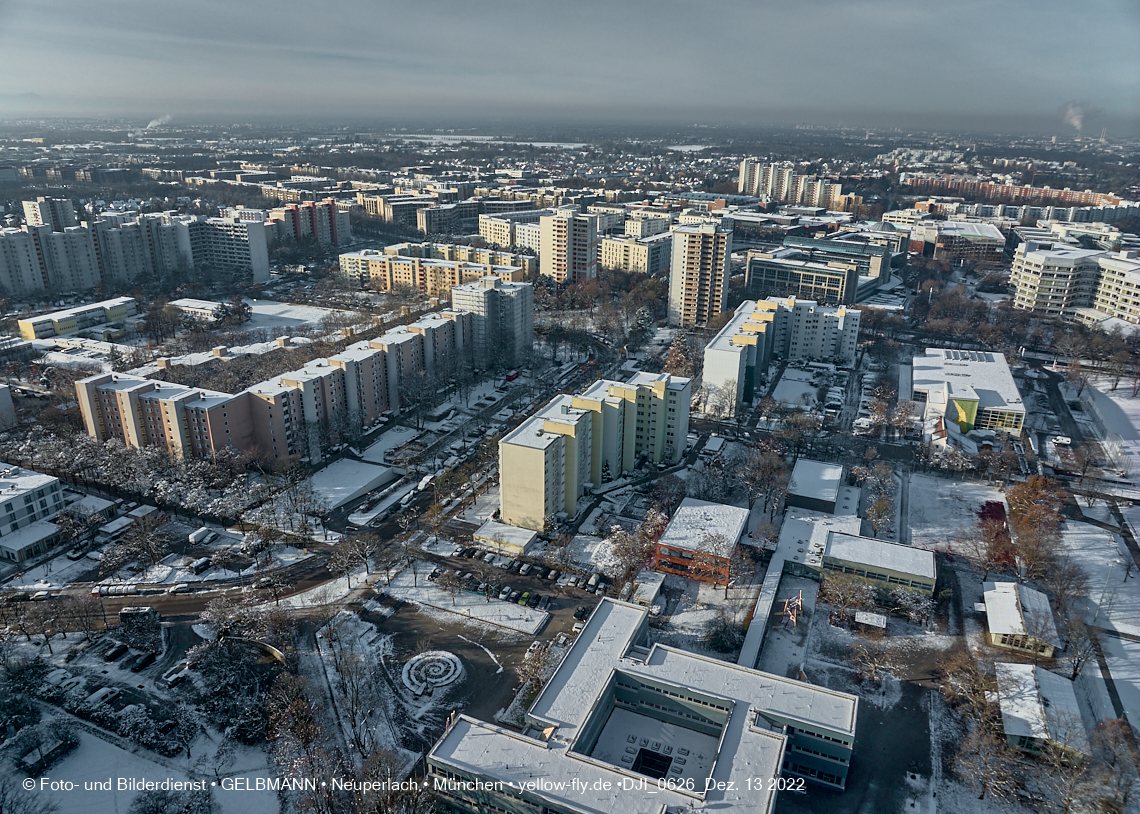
[(1010, 65)]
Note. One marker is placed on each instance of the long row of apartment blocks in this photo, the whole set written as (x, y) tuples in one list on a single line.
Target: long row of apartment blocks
[(55, 252), (301, 412)]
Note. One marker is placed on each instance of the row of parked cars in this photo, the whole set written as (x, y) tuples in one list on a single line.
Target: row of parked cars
[(593, 584)]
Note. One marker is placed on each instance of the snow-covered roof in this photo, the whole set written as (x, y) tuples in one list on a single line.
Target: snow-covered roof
[(612, 640), (695, 519), (966, 374), (880, 554), (816, 480), (26, 537), (1036, 703), (1018, 610), (496, 532)]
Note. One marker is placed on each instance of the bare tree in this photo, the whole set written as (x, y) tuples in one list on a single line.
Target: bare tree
[(986, 764), (881, 514)]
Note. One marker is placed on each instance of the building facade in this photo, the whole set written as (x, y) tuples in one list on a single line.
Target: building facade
[(502, 316), (568, 247), (698, 274)]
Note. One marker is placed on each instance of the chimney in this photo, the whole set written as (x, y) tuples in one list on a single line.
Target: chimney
[(163, 362), (219, 351), (282, 341)]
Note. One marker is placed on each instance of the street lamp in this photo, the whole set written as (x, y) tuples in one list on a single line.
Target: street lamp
[(1104, 590)]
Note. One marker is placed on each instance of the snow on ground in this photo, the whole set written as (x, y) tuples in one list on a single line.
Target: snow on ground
[(795, 388), (1123, 658), (485, 650), (1102, 556), (373, 647), (390, 439), (464, 605), (1120, 411), (484, 506), (399, 491), (345, 480), (1100, 513), (595, 553), (939, 508), (786, 645), (326, 594)]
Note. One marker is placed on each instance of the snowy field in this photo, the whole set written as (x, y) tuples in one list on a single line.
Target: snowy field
[(464, 606), (1123, 658), (939, 508), (1102, 556), (595, 553), (97, 760), (795, 388), (1121, 414), (345, 480), (484, 506), (390, 439)]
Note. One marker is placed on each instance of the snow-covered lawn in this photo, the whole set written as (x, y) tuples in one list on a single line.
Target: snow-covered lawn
[(1102, 556), (595, 553), (463, 606), (939, 508), (1123, 658), (1120, 411), (271, 314), (484, 506), (795, 388), (328, 593)]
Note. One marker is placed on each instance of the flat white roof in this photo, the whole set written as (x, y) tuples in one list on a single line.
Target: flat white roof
[(497, 532), (880, 554), (26, 537), (696, 518), (196, 305), (967, 374), (749, 748), (816, 480), (1018, 610), (531, 434), (1036, 703), (16, 481)]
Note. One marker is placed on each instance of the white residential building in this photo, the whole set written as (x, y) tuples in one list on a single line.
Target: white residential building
[(27, 500), (796, 330), (502, 319)]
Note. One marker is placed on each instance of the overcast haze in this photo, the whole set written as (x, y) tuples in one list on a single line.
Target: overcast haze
[(987, 65)]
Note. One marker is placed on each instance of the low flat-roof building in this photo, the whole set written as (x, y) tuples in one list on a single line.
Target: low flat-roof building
[(700, 540), (200, 310), (73, 320), (1039, 708), (879, 562), (815, 485), (619, 712), (974, 389), (27, 500), (1020, 618), (504, 539)]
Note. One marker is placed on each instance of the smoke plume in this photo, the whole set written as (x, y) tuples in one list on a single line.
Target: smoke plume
[(1073, 114), (165, 119)]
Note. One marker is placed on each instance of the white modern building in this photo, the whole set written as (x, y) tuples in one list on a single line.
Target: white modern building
[(502, 318), (796, 330), (622, 716), (971, 389), (1020, 618), (27, 500), (1058, 278)]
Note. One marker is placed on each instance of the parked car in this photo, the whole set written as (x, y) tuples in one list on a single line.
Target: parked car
[(142, 662), (114, 651), (506, 592), (544, 603), (517, 566), (434, 575), (458, 552), (514, 597), (103, 695), (524, 598), (180, 588), (572, 582), (39, 596), (525, 569), (581, 613), (535, 647), (533, 601), (489, 556), (553, 576), (75, 554), (542, 572)]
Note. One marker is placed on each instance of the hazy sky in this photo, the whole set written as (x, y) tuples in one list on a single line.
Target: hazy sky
[(1010, 64)]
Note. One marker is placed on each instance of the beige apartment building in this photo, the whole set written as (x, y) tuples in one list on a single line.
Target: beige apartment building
[(646, 255), (568, 247), (433, 278), (698, 274), (1062, 279), (296, 413), (461, 253), (577, 442)]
